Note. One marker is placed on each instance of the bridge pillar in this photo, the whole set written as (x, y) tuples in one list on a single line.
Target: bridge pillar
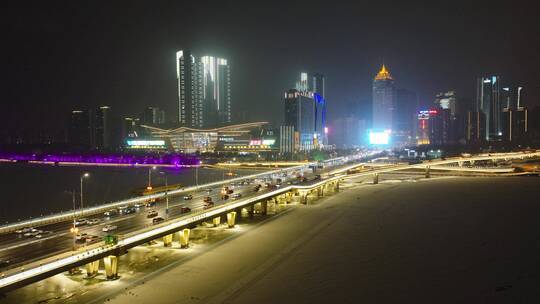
[(428, 175), (231, 219), (184, 238), (264, 208), (250, 210), (111, 267), (471, 162), (375, 178), (92, 268), (167, 240), (336, 187), (460, 163), (74, 270), (216, 221)]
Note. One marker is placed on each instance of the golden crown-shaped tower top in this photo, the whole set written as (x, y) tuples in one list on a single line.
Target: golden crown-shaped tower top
[(383, 74)]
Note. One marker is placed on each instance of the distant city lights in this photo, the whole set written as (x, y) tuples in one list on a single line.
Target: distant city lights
[(379, 137)]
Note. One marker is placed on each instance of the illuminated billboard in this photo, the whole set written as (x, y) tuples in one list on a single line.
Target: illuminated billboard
[(379, 137), (145, 144)]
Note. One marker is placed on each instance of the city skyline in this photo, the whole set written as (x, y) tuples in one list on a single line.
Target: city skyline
[(144, 77)]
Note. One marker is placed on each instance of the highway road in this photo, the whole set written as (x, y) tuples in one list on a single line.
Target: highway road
[(17, 250)]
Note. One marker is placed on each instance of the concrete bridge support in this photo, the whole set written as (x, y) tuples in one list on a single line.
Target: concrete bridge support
[(250, 210), (428, 174), (216, 221), (336, 186), (460, 163), (264, 208), (375, 178), (111, 267), (184, 238), (167, 240), (92, 268), (231, 219)]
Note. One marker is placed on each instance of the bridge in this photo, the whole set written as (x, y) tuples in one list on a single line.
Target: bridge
[(92, 255)]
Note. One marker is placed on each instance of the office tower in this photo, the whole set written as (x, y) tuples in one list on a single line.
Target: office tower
[(300, 114), (204, 90), (189, 74), (475, 127), (79, 130), (515, 120), (488, 101), (216, 92), (153, 116), (383, 100), (315, 86), (447, 100), (102, 128), (349, 132), (404, 125)]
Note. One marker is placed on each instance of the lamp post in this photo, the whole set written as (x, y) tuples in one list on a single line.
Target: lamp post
[(166, 194), (197, 173), (150, 177), (86, 174)]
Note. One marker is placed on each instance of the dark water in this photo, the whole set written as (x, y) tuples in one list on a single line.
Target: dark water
[(33, 190)]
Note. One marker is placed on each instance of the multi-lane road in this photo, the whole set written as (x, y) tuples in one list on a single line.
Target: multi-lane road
[(17, 250)]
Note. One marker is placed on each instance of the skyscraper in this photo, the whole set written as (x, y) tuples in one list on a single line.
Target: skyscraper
[(300, 114), (216, 91), (79, 130), (383, 100), (406, 107), (102, 128), (488, 101), (204, 90), (153, 116), (314, 86)]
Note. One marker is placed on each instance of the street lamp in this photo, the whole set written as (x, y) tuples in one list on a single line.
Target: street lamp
[(197, 173), (85, 175), (166, 193), (150, 177)]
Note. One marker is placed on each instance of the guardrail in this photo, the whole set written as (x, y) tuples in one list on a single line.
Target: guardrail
[(148, 233), (69, 215)]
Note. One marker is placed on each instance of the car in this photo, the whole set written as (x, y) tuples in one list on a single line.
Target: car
[(24, 230), (150, 204), (80, 238), (207, 199), (91, 238), (157, 220), (122, 209), (208, 205), (32, 233), (185, 209), (224, 197), (208, 190), (80, 222), (237, 195), (188, 197), (109, 228), (92, 221), (152, 213), (43, 234), (138, 205), (130, 210), (4, 263), (112, 212)]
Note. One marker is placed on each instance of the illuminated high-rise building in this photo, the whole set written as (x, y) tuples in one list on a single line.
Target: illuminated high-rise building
[(383, 100), (204, 90), (488, 101), (216, 91)]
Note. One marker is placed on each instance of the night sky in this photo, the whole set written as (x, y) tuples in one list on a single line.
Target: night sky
[(59, 56)]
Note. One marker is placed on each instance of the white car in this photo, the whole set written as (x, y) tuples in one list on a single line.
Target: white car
[(109, 228), (92, 221), (138, 205), (237, 195)]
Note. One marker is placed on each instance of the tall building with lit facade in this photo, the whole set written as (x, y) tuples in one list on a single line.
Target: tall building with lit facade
[(204, 90), (79, 129), (515, 117), (300, 115), (447, 100), (383, 100), (314, 86), (488, 101), (153, 116), (102, 129)]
